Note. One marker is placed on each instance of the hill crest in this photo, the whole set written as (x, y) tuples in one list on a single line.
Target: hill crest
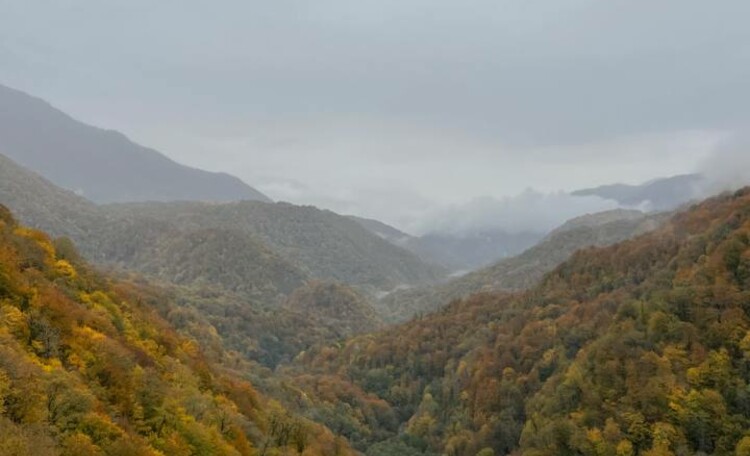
[(102, 165)]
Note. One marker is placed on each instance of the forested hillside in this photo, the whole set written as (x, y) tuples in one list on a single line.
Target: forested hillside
[(232, 260), (39, 203), (525, 270), (322, 243), (87, 368), (254, 249), (317, 313), (337, 306), (236, 272), (639, 348)]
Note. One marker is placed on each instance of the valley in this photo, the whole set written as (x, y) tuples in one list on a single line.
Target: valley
[(425, 228), (542, 353)]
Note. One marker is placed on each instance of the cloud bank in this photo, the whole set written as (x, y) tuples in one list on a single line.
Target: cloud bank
[(728, 166), (529, 211)]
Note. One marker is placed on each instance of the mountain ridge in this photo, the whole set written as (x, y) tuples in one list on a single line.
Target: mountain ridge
[(338, 248), (526, 269), (318, 243), (658, 194), (103, 165)]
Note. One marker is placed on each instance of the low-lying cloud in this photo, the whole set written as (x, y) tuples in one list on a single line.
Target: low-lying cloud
[(728, 166), (529, 211)]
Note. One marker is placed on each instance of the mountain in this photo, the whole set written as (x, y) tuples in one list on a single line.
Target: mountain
[(102, 165), (210, 257), (260, 337), (245, 269), (469, 251), (642, 347), (320, 243), (659, 195), (338, 306), (88, 368), (256, 248), (525, 270), (384, 231), (455, 252)]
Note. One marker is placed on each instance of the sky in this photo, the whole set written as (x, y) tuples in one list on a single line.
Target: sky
[(398, 110)]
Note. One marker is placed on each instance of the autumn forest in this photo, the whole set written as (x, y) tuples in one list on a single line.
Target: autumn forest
[(374, 228)]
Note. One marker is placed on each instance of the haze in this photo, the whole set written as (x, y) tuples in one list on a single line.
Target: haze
[(397, 110)]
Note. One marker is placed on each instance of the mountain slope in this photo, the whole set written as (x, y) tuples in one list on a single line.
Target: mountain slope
[(41, 204), (525, 270), (245, 243), (102, 165), (466, 252), (87, 369), (233, 260), (229, 259), (338, 306), (261, 336), (326, 245), (455, 252), (638, 348), (384, 231), (223, 274)]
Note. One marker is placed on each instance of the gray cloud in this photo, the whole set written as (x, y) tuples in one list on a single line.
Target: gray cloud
[(386, 107), (728, 167), (547, 72), (528, 211)]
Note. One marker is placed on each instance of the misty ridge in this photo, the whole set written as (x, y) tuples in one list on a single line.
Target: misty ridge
[(460, 237), (486, 229)]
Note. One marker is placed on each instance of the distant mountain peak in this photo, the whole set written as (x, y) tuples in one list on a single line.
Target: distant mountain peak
[(102, 165)]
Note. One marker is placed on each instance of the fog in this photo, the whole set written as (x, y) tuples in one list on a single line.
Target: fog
[(728, 166), (529, 211), (415, 112)]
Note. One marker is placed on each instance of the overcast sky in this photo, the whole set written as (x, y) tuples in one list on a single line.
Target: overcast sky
[(392, 108)]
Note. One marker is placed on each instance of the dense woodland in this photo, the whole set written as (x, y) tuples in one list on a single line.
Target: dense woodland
[(640, 348), (87, 368), (525, 270), (317, 313), (229, 345), (320, 243)]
